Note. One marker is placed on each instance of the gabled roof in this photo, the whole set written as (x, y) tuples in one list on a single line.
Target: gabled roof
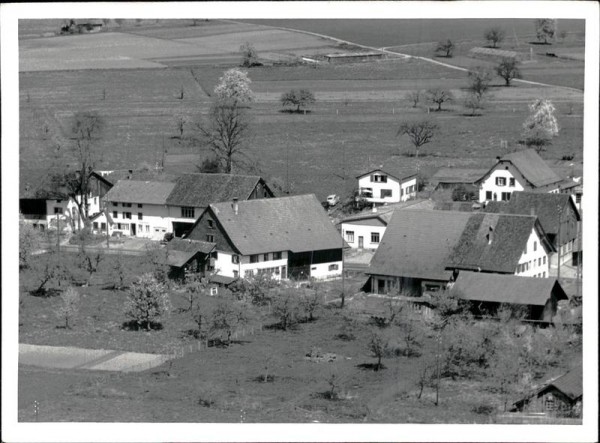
[(297, 224), (138, 175), (200, 190), (400, 174), (417, 244), (509, 235), (455, 206), (544, 205), (570, 384), (187, 245), (457, 175), (501, 288), (384, 213), (133, 191), (531, 166)]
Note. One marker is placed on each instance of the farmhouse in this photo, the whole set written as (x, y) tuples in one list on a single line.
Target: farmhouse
[(424, 250), (557, 214), (379, 187), (153, 208), (287, 237), (488, 292), (44, 204), (561, 396), (365, 230), (518, 171)]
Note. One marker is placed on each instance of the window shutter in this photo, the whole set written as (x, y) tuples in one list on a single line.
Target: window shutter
[(372, 178)]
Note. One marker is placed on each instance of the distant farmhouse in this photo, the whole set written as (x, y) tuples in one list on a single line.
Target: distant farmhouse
[(424, 250), (518, 171), (379, 187), (152, 208), (287, 237), (557, 214)]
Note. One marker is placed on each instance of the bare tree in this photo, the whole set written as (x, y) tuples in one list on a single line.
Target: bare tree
[(508, 69), (414, 97), (474, 102), (446, 47), (224, 132), (419, 132), (378, 345), (479, 81), (439, 96), (69, 306), (494, 35)]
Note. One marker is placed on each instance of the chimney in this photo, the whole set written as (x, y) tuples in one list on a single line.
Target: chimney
[(490, 235), (235, 205)]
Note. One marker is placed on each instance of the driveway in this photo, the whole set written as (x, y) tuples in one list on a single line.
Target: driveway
[(92, 359)]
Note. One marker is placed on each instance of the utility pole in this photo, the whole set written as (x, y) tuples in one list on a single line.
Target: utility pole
[(578, 279), (343, 271), (106, 216), (287, 164), (558, 241), (57, 232)]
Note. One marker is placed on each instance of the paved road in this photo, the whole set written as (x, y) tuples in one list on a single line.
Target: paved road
[(92, 359)]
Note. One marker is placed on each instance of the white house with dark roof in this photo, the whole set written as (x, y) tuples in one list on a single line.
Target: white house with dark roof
[(518, 171), (152, 208), (287, 237), (380, 187)]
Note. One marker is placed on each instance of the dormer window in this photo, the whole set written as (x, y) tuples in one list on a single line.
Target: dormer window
[(379, 178), (500, 181)]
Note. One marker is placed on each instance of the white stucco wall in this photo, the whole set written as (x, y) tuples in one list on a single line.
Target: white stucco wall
[(362, 231), (535, 257), (506, 171), (392, 184), (69, 212), (224, 265), (409, 189), (321, 271)]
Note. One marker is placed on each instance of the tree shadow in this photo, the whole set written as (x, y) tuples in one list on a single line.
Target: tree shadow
[(371, 367), (326, 395), (295, 111), (279, 327), (133, 325), (538, 43), (261, 378), (45, 293), (471, 115)]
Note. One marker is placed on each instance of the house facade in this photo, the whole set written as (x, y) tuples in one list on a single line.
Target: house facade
[(518, 171), (380, 187), (288, 237)]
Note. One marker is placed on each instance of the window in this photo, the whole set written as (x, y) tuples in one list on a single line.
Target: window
[(235, 274), (350, 236), (95, 200), (147, 228), (334, 267), (500, 181), (374, 237), (127, 205), (139, 228), (505, 196), (95, 225), (254, 258), (140, 205), (235, 259), (284, 272), (187, 212), (488, 195), (540, 261), (544, 259), (248, 273), (115, 214), (386, 193), (58, 210), (535, 246), (377, 178), (118, 225), (140, 216), (276, 255), (511, 182), (103, 226), (266, 257), (214, 290), (210, 238), (127, 215), (402, 192), (115, 203), (211, 223), (544, 274)]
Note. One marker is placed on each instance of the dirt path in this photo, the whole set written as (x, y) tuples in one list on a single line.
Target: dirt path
[(92, 359)]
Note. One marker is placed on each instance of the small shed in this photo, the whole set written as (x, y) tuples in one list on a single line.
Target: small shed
[(190, 255)]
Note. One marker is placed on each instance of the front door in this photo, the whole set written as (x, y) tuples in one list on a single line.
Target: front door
[(360, 242), (133, 229)]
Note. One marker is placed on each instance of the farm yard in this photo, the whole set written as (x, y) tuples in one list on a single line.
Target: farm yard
[(142, 77)]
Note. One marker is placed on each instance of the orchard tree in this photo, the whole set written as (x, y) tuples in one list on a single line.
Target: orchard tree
[(494, 35), (439, 96), (227, 316), (419, 132), (224, 131), (541, 125), (147, 302), (414, 98), (379, 346), (301, 98), (286, 308), (29, 241), (234, 88), (69, 306), (249, 55), (508, 69), (545, 28), (479, 79), (474, 102), (445, 47)]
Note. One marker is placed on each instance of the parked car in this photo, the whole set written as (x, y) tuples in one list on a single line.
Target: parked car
[(333, 199)]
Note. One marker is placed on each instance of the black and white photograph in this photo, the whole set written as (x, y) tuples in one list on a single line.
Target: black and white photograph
[(300, 221)]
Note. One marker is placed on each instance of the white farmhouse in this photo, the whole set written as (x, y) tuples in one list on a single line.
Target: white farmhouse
[(287, 237), (379, 187), (518, 171)]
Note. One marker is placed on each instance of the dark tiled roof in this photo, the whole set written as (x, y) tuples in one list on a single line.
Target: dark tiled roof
[(133, 191), (454, 206), (180, 244), (296, 224), (200, 190), (500, 288), (457, 175), (398, 174), (417, 244), (533, 167), (384, 213), (571, 383), (509, 237), (544, 205), (221, 279), (178, 258), (139, 175)]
